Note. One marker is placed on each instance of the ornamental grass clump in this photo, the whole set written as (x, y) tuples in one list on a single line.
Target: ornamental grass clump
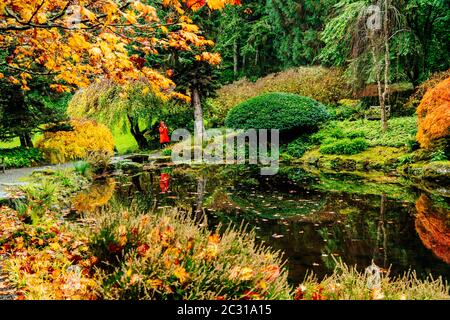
[(347, 283), (171, 256)]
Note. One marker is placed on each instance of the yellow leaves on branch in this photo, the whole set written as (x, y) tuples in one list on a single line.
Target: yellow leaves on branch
[(212, 4), (212, 58), (434, 114), (91, 39)]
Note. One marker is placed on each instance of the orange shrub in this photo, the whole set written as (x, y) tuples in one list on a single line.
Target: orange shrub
[(434, 114), (87, 136), (417, 96)]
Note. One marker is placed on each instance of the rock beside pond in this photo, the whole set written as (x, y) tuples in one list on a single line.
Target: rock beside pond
[(383, 159), (138, 158), (162, 159), (429, 174), (127, 166)]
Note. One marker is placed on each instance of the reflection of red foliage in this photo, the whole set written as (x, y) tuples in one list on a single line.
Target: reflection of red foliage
[(299, 295), (164, 183), (317, 295), (432, 229)]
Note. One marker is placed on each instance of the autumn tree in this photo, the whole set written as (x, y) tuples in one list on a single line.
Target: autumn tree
[(133, 108), (74, 42), (434, 115), (77, 41)]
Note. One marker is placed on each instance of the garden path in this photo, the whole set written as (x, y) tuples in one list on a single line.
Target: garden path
[(14, 177)]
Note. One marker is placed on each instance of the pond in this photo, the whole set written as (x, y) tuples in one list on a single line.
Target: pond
[(313, 219)]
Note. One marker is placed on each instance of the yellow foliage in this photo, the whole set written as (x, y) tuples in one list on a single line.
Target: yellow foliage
[(87, 136), (434, 114)]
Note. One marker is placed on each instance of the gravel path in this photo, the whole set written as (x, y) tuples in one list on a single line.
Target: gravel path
[(14, 177)]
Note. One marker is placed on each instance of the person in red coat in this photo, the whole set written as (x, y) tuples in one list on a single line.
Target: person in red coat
[(164, 182), (163, 134)]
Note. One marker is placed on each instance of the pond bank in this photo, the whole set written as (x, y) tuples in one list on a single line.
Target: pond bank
[(6, 292)]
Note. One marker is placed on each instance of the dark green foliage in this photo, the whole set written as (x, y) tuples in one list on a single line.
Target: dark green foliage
[(24, 113), (262, 37), (299, 146), (418, 46), (296, 26), (346, 109), (21, 157), (283, 111), (345, 146)]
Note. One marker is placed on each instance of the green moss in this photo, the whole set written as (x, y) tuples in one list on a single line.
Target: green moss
[(376, 158)]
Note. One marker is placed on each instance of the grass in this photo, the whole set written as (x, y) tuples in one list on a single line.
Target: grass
[(125, 142), (10, 144), (399, 134), (347, 283)]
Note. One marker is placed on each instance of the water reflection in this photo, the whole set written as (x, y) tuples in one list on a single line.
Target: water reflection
[(311, 218), (432, 225), (97, 195)]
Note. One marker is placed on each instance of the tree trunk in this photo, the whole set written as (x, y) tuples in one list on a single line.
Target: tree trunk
[(381, 224), (387, 66), (235, 59), (198, 114), (25, 140), (201, 187), (137, 134)]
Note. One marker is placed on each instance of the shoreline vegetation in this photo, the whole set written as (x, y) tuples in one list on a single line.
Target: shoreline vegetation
[(123, 253)]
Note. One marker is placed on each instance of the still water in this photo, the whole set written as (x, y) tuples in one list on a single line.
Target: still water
[(312, 218)]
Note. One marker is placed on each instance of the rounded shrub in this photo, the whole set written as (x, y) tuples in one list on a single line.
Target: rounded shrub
[(283, 111)]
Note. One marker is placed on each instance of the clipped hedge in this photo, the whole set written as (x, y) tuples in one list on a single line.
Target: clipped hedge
[(283, 111), (325, 85)]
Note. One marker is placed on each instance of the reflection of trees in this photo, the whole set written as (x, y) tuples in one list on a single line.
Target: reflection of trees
[(432, 228), (201, 188), (381, 230), (96, 196)]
